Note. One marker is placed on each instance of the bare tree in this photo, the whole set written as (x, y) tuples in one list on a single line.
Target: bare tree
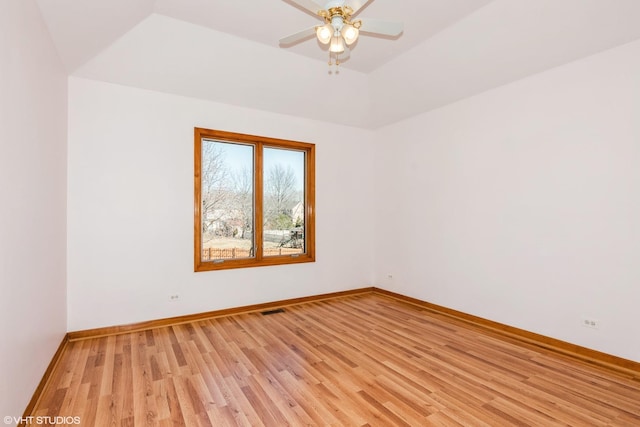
[(213, 181), (243, 198), (280, 193)]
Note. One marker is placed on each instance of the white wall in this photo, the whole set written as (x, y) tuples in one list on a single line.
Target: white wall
[(33, 125), (522, 204), (130, 211)]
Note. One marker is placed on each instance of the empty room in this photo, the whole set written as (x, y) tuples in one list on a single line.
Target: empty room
[(320, 212)]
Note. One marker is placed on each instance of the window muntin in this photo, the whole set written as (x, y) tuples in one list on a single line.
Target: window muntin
[(254, 201)]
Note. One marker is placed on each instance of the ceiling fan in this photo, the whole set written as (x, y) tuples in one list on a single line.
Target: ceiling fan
[(340, 30)]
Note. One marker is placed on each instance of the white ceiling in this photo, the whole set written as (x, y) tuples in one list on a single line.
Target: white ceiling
[(227, 50)]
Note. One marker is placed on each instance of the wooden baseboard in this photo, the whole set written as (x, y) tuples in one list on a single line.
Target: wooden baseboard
[(619, 364), (153, 324), (45, 378)]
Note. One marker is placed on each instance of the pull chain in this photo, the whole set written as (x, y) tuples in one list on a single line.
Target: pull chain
[(337, 63)]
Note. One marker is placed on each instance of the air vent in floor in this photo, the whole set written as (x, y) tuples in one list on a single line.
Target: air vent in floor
[(268, 312)]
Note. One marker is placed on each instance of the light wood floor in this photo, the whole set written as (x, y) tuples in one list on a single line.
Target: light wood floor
[(364, 360)]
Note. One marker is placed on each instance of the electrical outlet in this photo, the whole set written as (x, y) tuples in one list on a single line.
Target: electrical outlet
[(589, 322), (174, 297)]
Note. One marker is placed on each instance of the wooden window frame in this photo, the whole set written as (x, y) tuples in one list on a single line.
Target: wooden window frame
[(259, 143)]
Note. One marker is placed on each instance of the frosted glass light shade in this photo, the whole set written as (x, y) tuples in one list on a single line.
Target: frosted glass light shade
[(350, 34), (324, 33), (337, 44)]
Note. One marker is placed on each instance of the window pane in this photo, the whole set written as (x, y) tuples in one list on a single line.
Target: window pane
[(284, 211), (227, 200)]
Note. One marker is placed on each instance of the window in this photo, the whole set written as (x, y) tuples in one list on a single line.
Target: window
[(254, 201)]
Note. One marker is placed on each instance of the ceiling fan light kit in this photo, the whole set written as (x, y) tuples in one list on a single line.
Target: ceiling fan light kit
[(339, 31)]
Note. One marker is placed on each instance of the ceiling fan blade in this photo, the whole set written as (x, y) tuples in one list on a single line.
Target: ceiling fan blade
[(308, 5), (356, 5), (299, 36), (377, 26)]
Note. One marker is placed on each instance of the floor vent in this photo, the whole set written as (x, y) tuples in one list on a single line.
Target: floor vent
[(268, 312)]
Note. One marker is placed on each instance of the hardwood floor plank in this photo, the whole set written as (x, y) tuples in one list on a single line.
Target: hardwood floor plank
[(176, 410), (523, 412), (264, 413), (244, 412), (307, 397), (360, 360)]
